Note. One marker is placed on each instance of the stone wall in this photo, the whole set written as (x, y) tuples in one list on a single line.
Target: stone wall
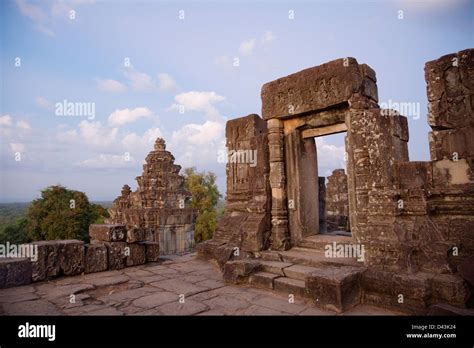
[(112, 247), (244, 229), (415, 219)]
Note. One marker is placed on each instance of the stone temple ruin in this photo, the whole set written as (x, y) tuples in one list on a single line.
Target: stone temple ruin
[(153, 220), (158, 206), (409, 245), (411, 223)]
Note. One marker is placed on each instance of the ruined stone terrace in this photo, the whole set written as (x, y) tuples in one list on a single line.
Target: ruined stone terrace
[(156, 289)]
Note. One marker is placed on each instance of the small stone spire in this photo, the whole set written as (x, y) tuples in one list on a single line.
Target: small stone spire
[(126, 190), (160, 144)]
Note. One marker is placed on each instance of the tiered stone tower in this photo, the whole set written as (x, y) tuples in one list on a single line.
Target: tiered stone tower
[(159, 204)]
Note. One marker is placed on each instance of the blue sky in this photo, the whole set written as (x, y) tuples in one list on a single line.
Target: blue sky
[(187, 65)]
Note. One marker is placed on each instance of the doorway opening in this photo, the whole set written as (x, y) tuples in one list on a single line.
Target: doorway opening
[(333, 197)]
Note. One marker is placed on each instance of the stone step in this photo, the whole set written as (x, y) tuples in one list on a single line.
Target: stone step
[(262, 280), (294, 287), (275, 267), (314, 258), (298, 272), (319, 241), (335, 288)]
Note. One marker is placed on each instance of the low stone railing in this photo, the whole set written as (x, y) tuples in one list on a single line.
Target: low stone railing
[(112, 247)]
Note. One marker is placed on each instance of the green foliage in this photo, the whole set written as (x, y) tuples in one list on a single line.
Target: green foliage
[(205, 196), (61, 214), (205, 225), (15, 232)]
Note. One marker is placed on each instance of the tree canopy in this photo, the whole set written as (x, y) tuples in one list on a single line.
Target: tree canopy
[(205, 196), (61, 213)]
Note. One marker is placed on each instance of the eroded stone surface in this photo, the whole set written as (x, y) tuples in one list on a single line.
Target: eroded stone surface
[(193, 288), (158, 209)]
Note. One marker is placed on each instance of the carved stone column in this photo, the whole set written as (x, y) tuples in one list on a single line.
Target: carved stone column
[(280, 237)]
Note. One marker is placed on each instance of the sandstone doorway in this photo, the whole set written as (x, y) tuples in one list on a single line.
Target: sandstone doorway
[(305, 218)]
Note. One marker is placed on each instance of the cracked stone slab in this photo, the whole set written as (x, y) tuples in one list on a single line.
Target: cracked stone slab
[(155, 299), (35, 307), (179, 286), (189, 307)]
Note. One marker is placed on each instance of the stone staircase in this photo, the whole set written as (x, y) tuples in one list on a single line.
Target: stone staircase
[(337, 283), (305, 271)]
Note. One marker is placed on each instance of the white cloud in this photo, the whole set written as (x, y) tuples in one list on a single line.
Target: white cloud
[(93, 133), (121, 117), (67, 136), (141, 145), (330, 157), (107, 161), (223, 61), (198, 144), (17, 147), (109, 85), (117, 145), (139, 80), (36, 14), (5, 121), (198, 101), (166, 82), (268, 37), (43, 102), (246, 47), (23, 125), (198, 134), (41, 14)]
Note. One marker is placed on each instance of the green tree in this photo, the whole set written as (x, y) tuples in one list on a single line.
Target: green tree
[(15, 232), (205, 196), (61, 213)]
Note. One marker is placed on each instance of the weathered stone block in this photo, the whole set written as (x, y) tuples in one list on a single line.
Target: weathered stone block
[(135, 234), (262, 280), (466, 270), (108, 232), (335, 288), (152, 251), (450, 90), (116, 254), (415, 175), (15, 272), (58, 257), (444, 309), (96, 258), (451, 113), (449, 288), (447, 173), (290, 286), (238, 271), (72, 257), (317, 88), (444, 76), (136, 254), (451, 143)]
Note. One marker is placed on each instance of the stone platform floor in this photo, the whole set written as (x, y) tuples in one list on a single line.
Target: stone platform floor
[(179, 285)]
